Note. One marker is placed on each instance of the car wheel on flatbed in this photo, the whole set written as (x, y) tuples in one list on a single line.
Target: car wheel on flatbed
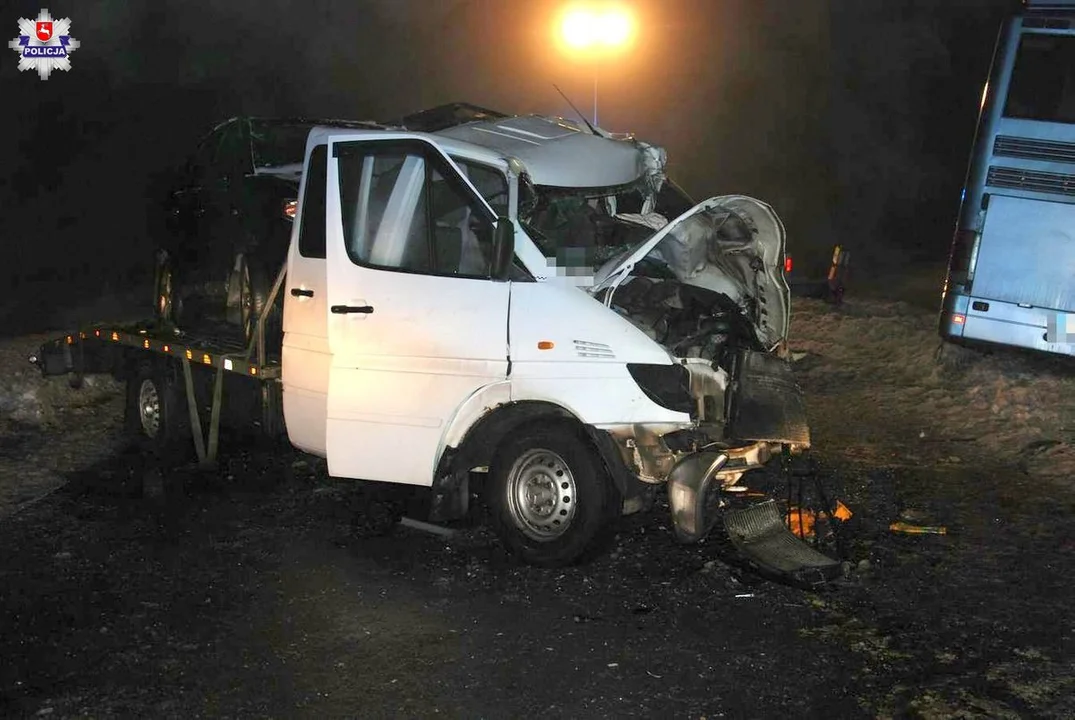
[(250, 288), (549, 494), (165, 302)]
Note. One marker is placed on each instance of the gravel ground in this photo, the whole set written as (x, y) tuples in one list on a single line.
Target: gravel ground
[(263, 588)]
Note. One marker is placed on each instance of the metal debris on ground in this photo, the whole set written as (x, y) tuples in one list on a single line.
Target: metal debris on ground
[(426, 527), (909, 529), (761, 536)]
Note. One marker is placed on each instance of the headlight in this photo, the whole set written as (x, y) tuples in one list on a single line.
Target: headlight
[(667, 385)]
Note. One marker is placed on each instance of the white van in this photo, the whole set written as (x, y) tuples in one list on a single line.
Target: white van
[(419, 345), (426, 339)]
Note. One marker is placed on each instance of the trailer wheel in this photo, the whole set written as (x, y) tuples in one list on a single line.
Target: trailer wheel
[(549, 495), (155, 410)]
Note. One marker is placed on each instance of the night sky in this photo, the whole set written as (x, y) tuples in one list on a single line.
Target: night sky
[(853, 118)]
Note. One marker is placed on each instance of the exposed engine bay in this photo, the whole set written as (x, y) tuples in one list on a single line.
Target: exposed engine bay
[(691, 322), (711, 280)]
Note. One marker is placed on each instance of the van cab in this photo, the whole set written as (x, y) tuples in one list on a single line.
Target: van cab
[(426, 339)]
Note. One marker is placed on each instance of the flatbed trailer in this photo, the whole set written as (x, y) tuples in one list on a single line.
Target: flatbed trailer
[(206, 359)]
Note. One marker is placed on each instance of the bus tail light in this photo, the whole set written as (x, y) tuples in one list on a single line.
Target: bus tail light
[(962, 261)]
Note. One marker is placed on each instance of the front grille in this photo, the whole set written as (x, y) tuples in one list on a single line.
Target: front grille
[(1031, 149), (1032, 181)]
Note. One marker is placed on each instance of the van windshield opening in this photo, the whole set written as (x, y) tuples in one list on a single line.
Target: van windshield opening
[(1043, 79)]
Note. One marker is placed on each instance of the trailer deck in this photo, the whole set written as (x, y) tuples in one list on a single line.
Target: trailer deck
[(204, 348), (104, 349)]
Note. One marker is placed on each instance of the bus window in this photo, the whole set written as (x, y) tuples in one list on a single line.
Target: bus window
[(1043, 79)]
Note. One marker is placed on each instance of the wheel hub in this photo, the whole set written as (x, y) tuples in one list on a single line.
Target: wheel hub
[(541, 494), (149, 408)]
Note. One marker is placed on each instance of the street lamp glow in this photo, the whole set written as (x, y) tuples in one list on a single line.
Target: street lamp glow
[(577, 28), (614, 29), (584, 28)]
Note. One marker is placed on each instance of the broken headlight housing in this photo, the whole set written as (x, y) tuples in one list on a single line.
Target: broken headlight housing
[(667, 385)]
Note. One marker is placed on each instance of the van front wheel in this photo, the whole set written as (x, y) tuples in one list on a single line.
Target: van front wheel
[(549, 495)]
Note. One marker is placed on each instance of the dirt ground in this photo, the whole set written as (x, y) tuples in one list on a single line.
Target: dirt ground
[(263, 588)]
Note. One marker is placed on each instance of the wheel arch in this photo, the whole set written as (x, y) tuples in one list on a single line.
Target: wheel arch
[(473, 439)]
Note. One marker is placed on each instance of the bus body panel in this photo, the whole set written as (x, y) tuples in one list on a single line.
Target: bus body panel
[(1011, 274)]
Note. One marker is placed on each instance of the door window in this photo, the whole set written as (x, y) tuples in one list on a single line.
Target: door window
[(312, 227), (490, 183), (403, 209)]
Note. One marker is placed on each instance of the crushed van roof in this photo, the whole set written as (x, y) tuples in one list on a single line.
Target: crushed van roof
[(556, 152)]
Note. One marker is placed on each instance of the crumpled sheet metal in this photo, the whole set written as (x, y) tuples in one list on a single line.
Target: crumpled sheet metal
[(762, 537)]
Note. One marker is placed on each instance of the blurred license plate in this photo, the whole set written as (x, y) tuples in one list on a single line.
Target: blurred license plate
[(1060, 329)]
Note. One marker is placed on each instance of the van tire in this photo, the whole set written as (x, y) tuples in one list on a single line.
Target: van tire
[(549, 495), (156, 412)]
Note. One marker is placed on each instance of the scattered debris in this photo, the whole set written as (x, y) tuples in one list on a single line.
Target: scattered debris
[(426, 527), (761, 536), (743, 491), (902, 527), (801, 521)]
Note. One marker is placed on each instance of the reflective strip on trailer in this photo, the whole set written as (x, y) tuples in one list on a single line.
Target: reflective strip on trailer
[(236, 362)]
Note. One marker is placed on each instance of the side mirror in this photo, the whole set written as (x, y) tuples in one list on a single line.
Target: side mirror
[(503, 248)]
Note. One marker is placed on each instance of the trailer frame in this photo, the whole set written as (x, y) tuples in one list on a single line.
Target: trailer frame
[(91, 349)]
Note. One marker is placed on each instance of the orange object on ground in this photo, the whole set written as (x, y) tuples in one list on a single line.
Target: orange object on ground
[(801, 521), (842, 512)]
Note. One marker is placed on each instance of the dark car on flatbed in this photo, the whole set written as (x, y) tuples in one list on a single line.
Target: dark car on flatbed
[(228, 215)]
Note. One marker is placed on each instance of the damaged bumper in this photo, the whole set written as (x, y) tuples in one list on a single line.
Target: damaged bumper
[(688, 486), (765, 411), (690, 475)]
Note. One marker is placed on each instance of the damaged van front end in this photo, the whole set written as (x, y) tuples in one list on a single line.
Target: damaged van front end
[(709, 287)]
